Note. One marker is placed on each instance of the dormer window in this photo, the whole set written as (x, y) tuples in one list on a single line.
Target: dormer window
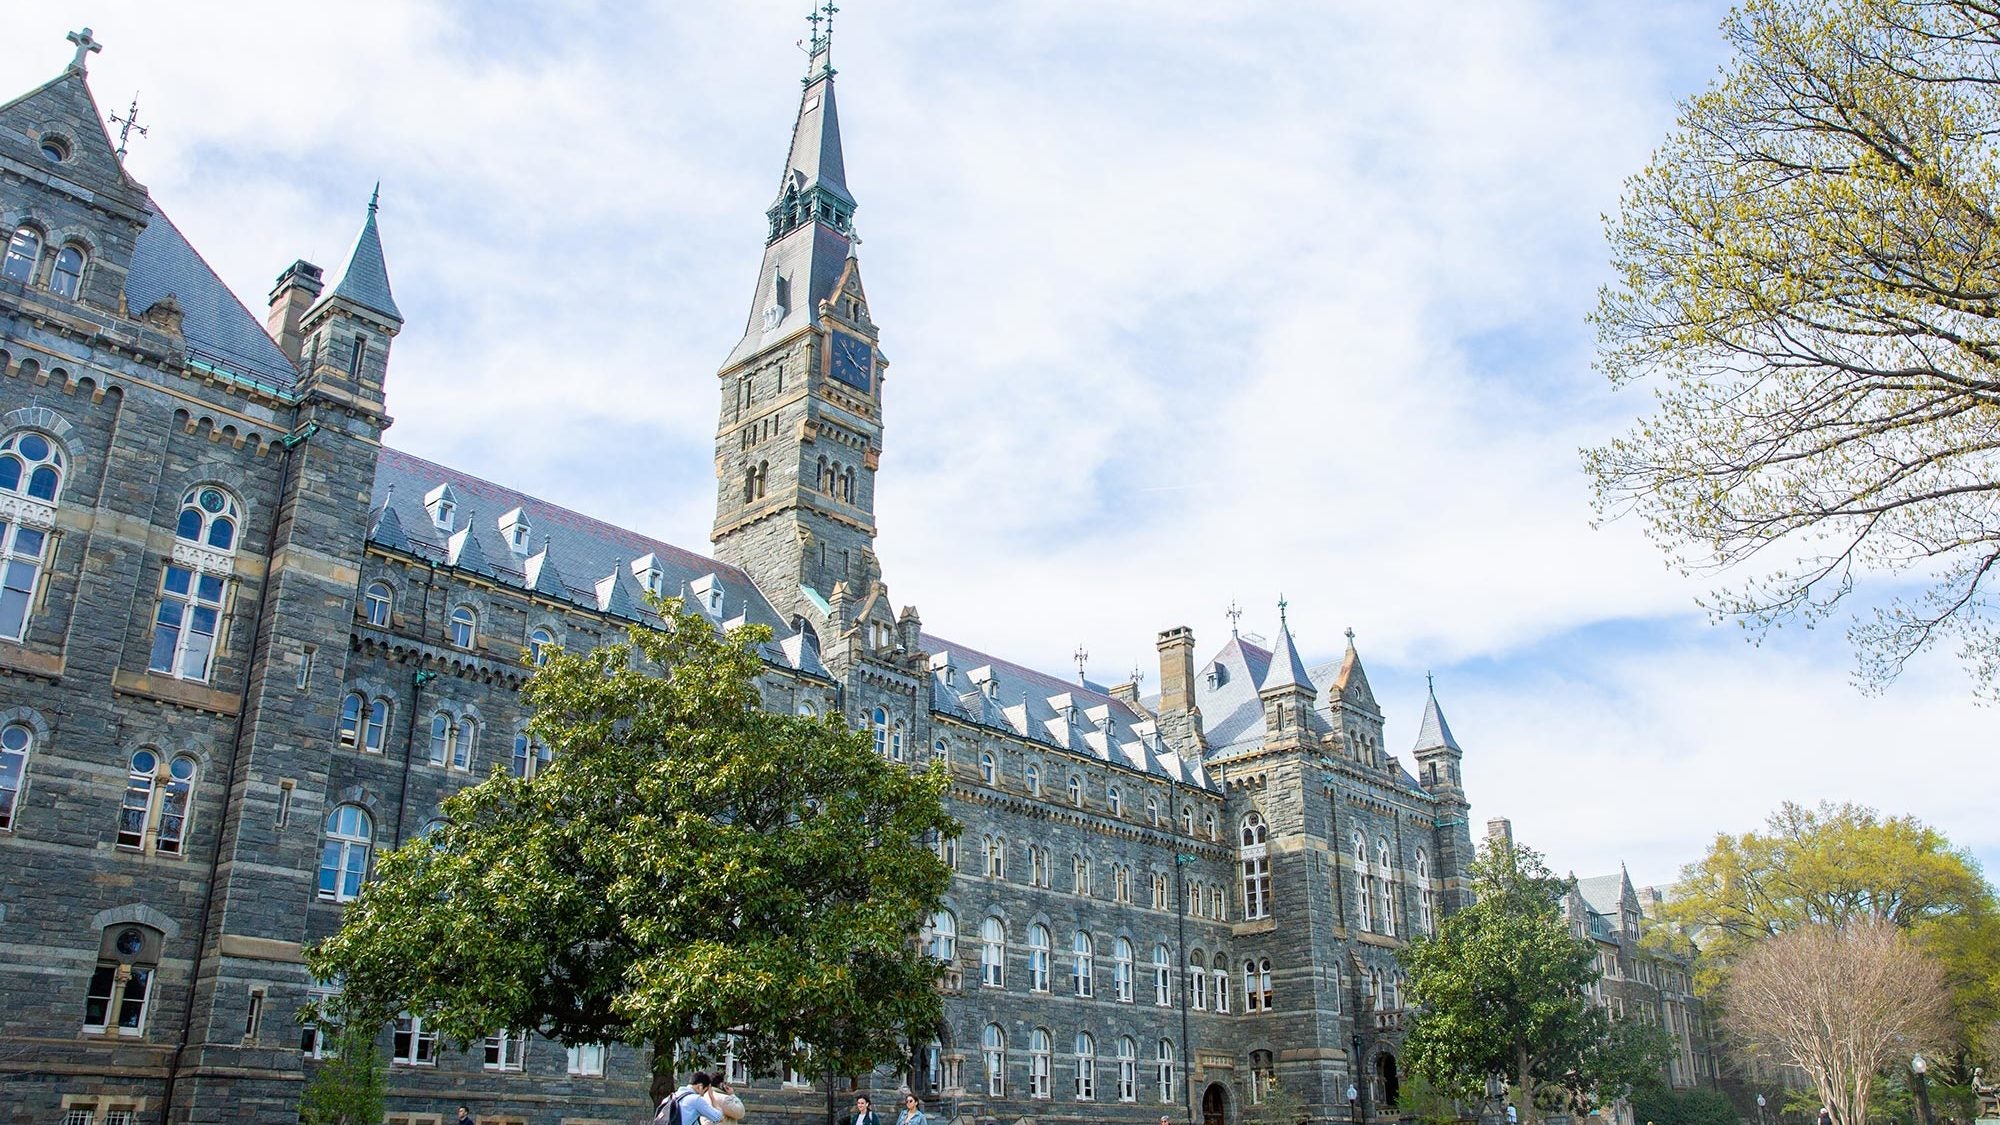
[(442, 504), (517, 528), (1218, 674), (708, 589), (646, 569)]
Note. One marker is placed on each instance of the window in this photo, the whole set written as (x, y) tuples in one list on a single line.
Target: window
[(343, 858), (1208, 825), (185, 627), (1385, 886), (992, 953), (1263, 1075), (1221, 983), (1086, 1067), (31, 466), (896, 741), (122, 990), (1041, 1045), (356, 355), (1363, 885), (1114, 801), (1153, 811), (138, 805), (530, 756), (944, 936), (947, 850), (541, 646), (377, 730), (1159, 891), (1121, 883), (1256, 862), (986, 767), (1075, 790), (880, 721), (444, 738), (1163, 976), (507, 1050), (1164, 1055), (586, 1060), (1038, 866), (468, 739), (1426, 897), (996, 857), (1268, 998), (1198, 980), (1038, 958), (17, 740), (993, 1049), (1187, 822), (464, 628), (23, 251), (208, 517), (316, 1039), (1082, 958), (67, 280), (410, 1044), (1034, 779), (176, 802), (1128, 1069), (1079, 873), (378, 604), (1253, 1000), (1121, 970)]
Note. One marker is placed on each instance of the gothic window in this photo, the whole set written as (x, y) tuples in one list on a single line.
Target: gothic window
[(1038, 958), (992, 953), (1164, 1056), (444, 738), (1364, 888), (1163, 976), (1121, 970), (1187, 822), (1221, 983), (1079, 869), (541, 646), (1153, 811), (411, 1044), (375, 734), (1253, 1001), (944, 936), (1082, 965), (1264, 984), (24, 250), (986, 767), (1385, 886), (1086, 1067), (1426, 897), (378, 604), (1256, 863), (763, 477), (1038, 866), (749, 484), (820, 477), (1041, 1046), (17, 741), (1114, 801), (530, 756), (1159, 891), (847, 485), (121, 986), (186, 623), (137, 808), (208, 517), (879, 720), (343, 859), (31, 466), (468, 741), (1075, 790), (170, 825), (996, 857), (1128, 1069), (1197, 982), (1034, 779), (463, 628), (993, 1050), (67, 279), (1121, 883)]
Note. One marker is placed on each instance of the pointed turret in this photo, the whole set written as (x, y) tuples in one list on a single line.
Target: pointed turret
[(1286, 691), (1434, 733), (345, 334), (1286, 670), (1437, 752), (365, 281)]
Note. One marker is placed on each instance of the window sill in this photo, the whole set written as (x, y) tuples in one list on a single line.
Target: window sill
[(180, 693), (14, 658)]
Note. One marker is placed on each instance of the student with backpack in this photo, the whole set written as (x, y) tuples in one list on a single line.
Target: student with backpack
[(689, 1104)]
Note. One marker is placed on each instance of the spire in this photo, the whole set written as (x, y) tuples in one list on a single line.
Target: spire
[(1286, 670), (1350, 684), (365, 282), (1434, 733)]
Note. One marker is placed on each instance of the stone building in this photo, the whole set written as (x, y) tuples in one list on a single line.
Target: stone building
[(245, 646)]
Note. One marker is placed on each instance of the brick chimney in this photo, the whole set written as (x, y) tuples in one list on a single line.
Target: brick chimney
[(297, 288), (1176, 670)]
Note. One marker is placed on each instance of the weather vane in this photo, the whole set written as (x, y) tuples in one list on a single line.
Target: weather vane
[(1282, 606), (1235, 615), (1080, 656), (128, 125)]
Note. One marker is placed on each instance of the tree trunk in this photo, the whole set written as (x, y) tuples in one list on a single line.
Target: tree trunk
[(1526, 1084), (663, 1074)]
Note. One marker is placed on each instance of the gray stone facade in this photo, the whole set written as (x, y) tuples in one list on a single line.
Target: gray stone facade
[(244, 646)]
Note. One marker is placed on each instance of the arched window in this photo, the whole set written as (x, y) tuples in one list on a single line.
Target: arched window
[(992, 953), (1163, 976), (1364, 886), (1041, 1046), (444, 738), (1263, 1075), (137, 808), (947, 850), (879, 719), (1086, 1067), (468, 741), (986, 767), (31, 465), (1208, 825), (1128, 1069), (1079, 871), (1038, 866), (1256, 865), (944, 936), (1159, 891), (209, 517), (1114, 801), (1198, 980), (1426, 897), (763, 477), (1122, 970), (67, 278), (343, 857), (379, 604), (1153, 811), (996, 857), (17, 741), (1038, 958), (122, 984), (530, 756), (1082, 970), (1187, 822), (993, 1049), (1121, 883), (1264, 984), (376, 733), (1075, 790), (820, 478), (23, 251), (464, 627), (1385, 886), (1163, 1056), (541, 646), (1033, 775), (896, 741), (176, 806), (1253, 1000), (350, 719), (1221, 975)]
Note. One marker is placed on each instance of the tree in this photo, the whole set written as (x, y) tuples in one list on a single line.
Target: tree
[(688, 866), (347, 1087), (1840, 1002), (1505, 989), (1810, 270), (1836, 864)]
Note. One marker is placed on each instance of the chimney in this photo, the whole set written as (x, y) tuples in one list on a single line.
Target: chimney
[(297, 288), (1176, 670), (1500, 832)]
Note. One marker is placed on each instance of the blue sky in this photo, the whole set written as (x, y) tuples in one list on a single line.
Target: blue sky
[(1187, 303)]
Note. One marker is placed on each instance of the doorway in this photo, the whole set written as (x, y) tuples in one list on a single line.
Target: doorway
[(1386, 1081), (1214, 1105)]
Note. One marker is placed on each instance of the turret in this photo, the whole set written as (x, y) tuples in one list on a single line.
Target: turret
[(1437, 752), (1286, 692), (346, 332)]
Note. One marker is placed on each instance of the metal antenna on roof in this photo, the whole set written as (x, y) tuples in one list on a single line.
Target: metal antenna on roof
[(128, 124), (1235, 615), (1080, 656)]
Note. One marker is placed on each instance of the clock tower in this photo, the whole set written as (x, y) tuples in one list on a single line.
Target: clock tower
[(800, 431)]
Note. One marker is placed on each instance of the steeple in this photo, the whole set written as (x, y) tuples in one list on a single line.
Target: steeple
[(365, 282), (1434, 733), (346, 333), (1437, 752), (1287, 692), (1286, 670)]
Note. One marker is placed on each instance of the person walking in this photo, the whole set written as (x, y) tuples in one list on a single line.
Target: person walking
[(689, 1104), (464, 1116), (913, 1112), (724, 1098), (864, 1112), (1825, 1116)]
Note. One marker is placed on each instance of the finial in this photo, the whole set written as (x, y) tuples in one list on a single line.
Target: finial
[(375, 198), (1282, 605), (1081, 657), (1430, 682), (1350, 636), (128, 124), (85, 47), (1138, 675), (819, 49), (1235, 615)]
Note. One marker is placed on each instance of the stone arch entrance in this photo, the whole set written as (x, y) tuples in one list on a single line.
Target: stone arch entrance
[(1387, 1083), (1215, 1105)]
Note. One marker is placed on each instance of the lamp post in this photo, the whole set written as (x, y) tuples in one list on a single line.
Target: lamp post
[(1354, 1101), (1917, 1068)]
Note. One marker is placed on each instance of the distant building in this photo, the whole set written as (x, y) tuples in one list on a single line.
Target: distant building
[(244, 646)]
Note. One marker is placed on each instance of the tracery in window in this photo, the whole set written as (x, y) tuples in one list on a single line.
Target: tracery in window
[(209, 517)]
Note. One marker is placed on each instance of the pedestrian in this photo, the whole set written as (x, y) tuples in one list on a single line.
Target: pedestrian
[(1825, 1116), (1167, 1120), (689, 1104), (864, 1112), (913, 1112), (464, 1116), (724, 1098)]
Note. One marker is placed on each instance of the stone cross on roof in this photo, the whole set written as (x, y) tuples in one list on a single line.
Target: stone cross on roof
[(85, 46)]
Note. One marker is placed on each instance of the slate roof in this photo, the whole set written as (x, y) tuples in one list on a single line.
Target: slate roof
[(570, 556), (1081, 718), (218, 328), (1286, 669), (1604, 893), (1434, 732), (365, 281)]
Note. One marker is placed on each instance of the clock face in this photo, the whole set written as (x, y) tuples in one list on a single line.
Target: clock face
[(853, 361)]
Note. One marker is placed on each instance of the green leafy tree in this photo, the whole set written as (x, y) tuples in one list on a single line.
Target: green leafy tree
[(1279, 1107), (1505, 989), (689, 865), (346, 1089), (1656, 1102), (1808, 275)]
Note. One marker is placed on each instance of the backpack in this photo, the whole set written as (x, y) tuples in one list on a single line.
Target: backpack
[(670, 1110)]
